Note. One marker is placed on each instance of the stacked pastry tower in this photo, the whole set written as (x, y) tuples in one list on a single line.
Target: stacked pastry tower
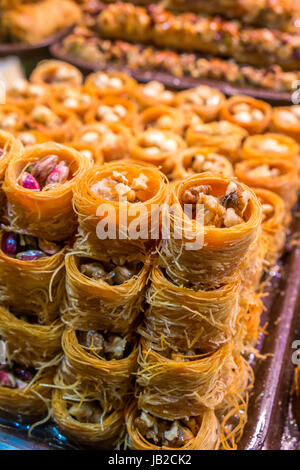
[(105, 288), (191, 370), (36, 224)]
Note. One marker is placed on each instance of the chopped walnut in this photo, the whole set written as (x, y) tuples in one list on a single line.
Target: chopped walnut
[(166, 433)]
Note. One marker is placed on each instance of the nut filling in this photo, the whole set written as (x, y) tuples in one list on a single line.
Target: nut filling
[(13, 375), (119, 187), (105, 346), (43, 175), (26, 247), (114, 273), (167, 433), (225, 211)]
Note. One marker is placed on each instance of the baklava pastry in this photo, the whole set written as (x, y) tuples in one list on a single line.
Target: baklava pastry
[(147, 432), (101, 362), (125, 21), (183, 318), (26, 95), (277, 175), (149, 94), (103, 84), (157, 147), (12, 118), (163, 118), (38, 266), (286, 120), (73, 98), (32, 137), (85, 422), (253, 115), (112, 139), (203, 100), (251, 310), (92, 153), (56, 72), (274, 224), (201, 160), (103, 295), (226, 137), (112, 109), (35, 22), (29, 343), (25, 392), (9, 149), (271, 145), (38, 186), (105, 196), (175, 384), (58, 123), (296, 395), (213, 222)]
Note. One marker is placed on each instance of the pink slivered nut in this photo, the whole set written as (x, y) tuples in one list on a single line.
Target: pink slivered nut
[(7, 379), (59, 175), (9, 244), (43, 168), (29, 182)]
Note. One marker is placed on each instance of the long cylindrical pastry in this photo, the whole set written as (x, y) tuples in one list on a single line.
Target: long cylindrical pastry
[(177, 385), (277, 175), (253, 115), (40, 275), (203, 100), (213, 222), (43, 209), (56, 72), (105, 196), (103, 299), (182, 318), (102, 362), (286, 120), (141, 58), (35, 22), (223, 135), (271, 145), (201, 160), (85, 422), (273, 14), (157, 147), (27, 343), (191, 32), (147, 432)]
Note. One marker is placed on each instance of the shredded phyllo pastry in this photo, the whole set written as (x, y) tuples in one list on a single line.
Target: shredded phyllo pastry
[(136, 226)]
